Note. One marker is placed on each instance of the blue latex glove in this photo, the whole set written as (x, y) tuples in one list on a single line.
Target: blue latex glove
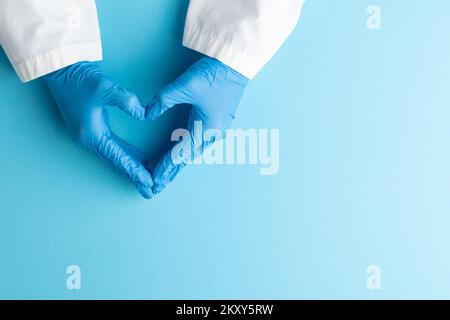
[(82, 92), (214, 90)]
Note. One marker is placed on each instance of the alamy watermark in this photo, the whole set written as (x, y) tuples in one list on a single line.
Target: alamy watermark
[(230, 147), (373, 281), (73, 281), (373, 17)]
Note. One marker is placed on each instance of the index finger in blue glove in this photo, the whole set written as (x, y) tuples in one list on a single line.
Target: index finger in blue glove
[(114, 152), (131, 150), (175, 160), (165, 172), (172, 95), (126, 101)]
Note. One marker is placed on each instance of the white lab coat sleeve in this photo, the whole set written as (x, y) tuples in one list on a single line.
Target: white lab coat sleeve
[(243, 34), (42, 36)]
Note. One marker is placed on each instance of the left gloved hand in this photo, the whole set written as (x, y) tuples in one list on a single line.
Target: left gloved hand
[(214, 90), (82, 92)]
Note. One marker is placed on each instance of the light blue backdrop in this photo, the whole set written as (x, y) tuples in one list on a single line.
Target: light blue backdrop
[(364, 175)]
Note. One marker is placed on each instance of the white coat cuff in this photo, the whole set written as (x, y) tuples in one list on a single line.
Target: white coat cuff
[(56, 59), (209, 44)]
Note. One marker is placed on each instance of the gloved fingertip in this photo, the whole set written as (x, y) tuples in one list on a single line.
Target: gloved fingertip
[(158, 188), (136, 110), (153, 109), (144, 183), (145, 191), (150, 113), (140, 110)]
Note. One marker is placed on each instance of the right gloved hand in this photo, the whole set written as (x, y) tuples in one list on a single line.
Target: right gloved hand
[(82, 92), (214, 90)]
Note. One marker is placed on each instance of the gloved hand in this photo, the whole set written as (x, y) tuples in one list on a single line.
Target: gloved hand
[(214, 90), (82, 92)]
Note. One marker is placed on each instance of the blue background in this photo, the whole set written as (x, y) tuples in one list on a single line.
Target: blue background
[(364, 174)]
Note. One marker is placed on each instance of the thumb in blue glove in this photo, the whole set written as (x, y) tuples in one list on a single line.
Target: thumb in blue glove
[(82, 92), (214, 90)]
